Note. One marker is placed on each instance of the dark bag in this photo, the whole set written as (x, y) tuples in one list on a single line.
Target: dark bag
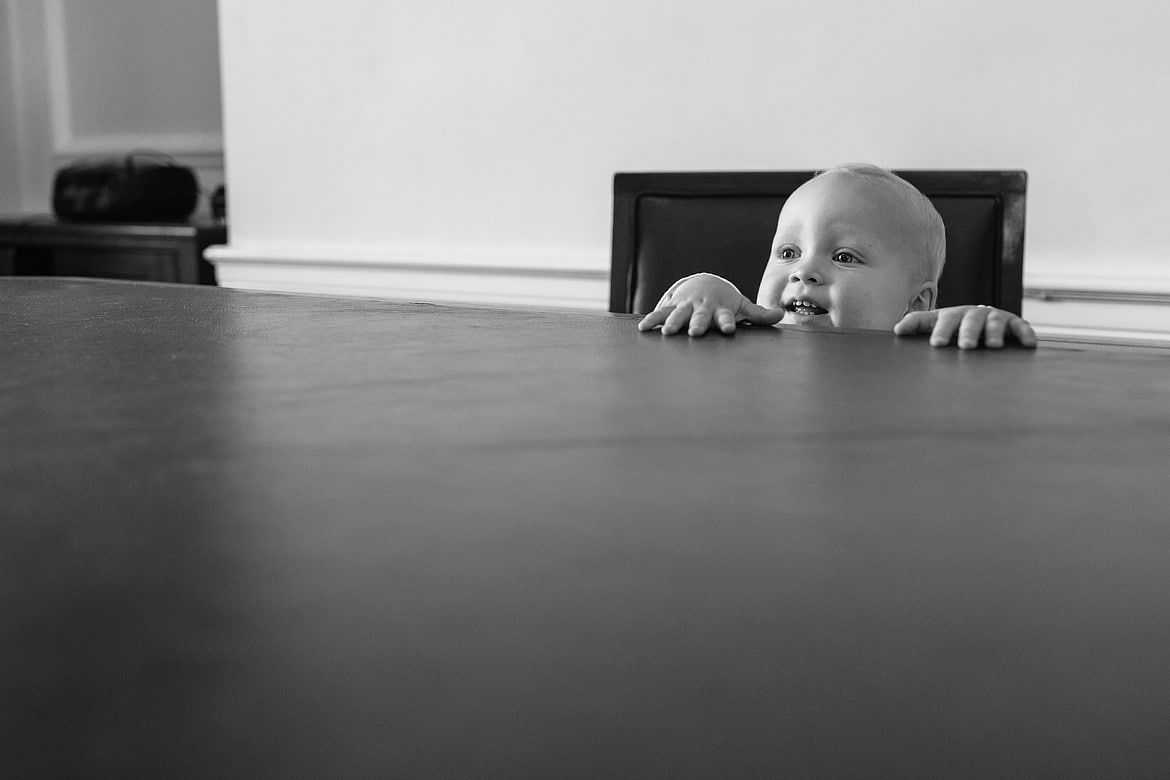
[(126, 189)]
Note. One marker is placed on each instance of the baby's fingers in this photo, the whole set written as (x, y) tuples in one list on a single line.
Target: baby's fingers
[(945, 326), (655, 318), (971, 327), (968, 325), (760, 315), (994, 327), (916, 322), (1023, 331), (1000, 323), (700, 321), (725, 319), (677, 318)]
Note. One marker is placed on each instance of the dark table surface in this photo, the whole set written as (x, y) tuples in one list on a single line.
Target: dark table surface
[(261, 535)]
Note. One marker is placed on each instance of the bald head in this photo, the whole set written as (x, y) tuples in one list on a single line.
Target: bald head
[(917, 214)]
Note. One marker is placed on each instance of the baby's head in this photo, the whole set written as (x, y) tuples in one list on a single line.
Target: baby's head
[(856, 247)]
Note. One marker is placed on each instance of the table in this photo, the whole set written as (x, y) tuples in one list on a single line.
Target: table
[(145, 251), (263, 535)]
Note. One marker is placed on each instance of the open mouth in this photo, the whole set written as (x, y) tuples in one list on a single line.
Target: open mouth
[(804, 307)]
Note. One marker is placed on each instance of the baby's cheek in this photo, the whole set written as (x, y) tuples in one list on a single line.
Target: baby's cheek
[(850, 310), (870, 312), (771, 290)]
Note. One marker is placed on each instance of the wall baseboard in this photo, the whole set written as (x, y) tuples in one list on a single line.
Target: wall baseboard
[(564, 280)]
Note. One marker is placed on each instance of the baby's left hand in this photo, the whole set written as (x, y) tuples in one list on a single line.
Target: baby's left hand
[(973, 323)]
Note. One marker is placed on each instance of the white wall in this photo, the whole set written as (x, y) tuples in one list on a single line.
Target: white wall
[(9, 170), (452, 134), (88, 78)]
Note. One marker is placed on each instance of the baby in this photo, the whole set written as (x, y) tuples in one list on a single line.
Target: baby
[(855, 247)]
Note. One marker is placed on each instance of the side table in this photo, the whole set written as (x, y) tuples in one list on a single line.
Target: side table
[(42, 245)]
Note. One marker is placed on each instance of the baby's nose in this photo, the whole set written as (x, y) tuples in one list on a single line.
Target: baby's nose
[(805, 273)]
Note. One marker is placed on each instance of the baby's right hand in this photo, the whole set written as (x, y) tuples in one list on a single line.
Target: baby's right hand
[(702, 300)]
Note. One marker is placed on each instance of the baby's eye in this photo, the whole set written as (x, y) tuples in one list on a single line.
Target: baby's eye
[(787, 253), (846, 258)]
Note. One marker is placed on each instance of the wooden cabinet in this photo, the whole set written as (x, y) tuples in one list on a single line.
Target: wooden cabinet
[(155, 252)]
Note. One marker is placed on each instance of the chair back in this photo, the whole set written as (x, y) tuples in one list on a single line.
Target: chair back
[(670, 225)]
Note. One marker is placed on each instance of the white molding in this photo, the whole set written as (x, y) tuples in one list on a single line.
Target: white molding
[(1105, 318), (1107, 336), (1130, 304), (1123, 282), (525, 278), (1128, 297), (66, 143), (1128, 273), (1116, 306), (552, 262)]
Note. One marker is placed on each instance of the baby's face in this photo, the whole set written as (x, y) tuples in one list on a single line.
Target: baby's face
[(844, 256)]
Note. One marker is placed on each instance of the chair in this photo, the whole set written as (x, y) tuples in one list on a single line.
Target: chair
[(669, 225)]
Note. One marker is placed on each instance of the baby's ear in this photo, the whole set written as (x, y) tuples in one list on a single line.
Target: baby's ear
[(924, 297)]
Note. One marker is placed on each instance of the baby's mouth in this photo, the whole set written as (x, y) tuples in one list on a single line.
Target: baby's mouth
[(804, 307)]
